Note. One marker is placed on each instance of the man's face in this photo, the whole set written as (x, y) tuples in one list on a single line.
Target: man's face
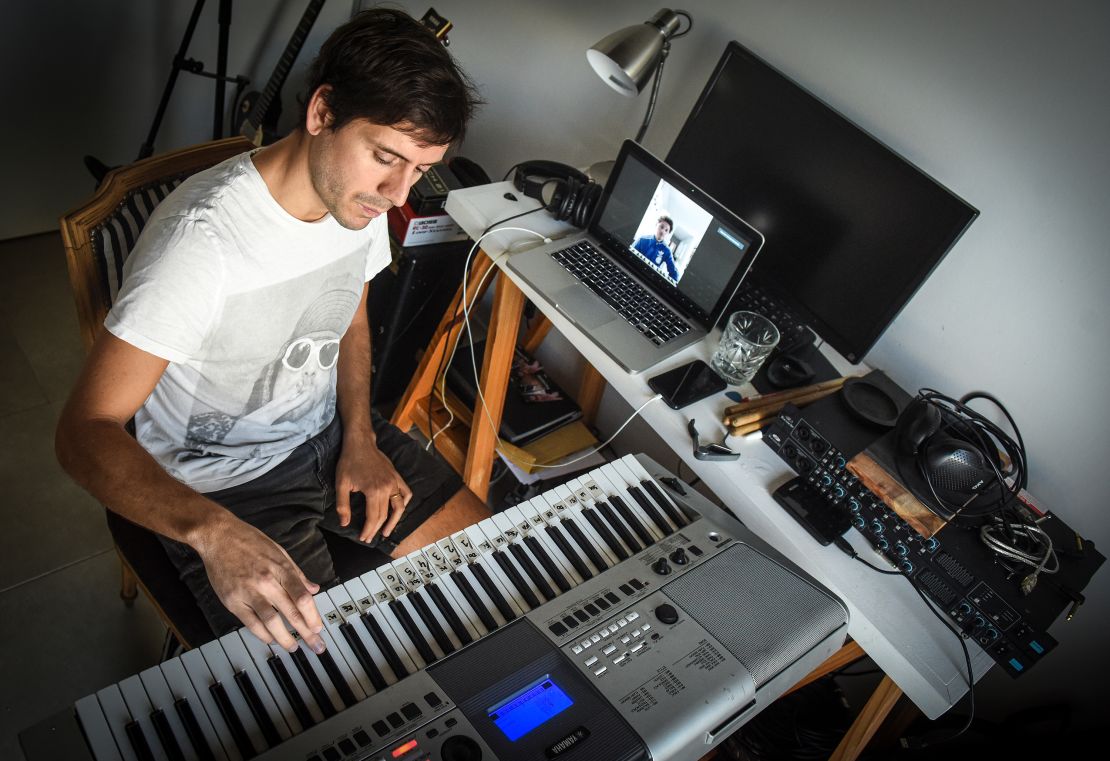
[(363, 169), (662, 230)]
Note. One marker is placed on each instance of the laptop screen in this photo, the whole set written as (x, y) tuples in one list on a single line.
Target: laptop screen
[(688, 247)]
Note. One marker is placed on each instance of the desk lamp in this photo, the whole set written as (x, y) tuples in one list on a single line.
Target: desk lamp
[(626, 58)]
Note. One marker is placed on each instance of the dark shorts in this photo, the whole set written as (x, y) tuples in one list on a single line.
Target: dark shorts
[(295, 502)]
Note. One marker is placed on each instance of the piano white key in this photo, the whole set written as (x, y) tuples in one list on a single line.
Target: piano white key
[(383, 596), (201, 679), (431, 560), (412, 581), (224, 673), (97, 732), (347, 674), (332, 620), (240, 659), (507, 525), (637, 469), (478, 549), (351, 613), (500, 544), (557, 513), (181, 687), (330, 690), (524, 514), (117, 716), (370, 601), (260, 655), (484, 598), (613, 483), (630, 480), (568, 507), (421, 605), (635, 536), (300, 686), (545, 521), (162, 699), (586, 494), (138, 703)]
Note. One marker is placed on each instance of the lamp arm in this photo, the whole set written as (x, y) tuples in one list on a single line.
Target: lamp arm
[(654, 92)]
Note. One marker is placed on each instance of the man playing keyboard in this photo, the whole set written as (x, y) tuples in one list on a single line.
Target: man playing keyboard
[(239, 343)]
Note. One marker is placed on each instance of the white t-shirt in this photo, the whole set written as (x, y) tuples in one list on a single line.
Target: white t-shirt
[(248, 305)]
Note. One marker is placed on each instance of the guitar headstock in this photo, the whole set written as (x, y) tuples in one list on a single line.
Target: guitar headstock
[(438, 24)]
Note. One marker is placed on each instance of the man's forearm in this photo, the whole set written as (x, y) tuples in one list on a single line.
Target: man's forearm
[(353, 377), (111, 465)]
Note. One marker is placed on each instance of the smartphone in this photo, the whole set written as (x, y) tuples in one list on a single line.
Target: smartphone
[(687, 384), (823, 520)]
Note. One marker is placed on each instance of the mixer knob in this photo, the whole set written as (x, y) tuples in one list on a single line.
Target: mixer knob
[(666, 614), (460, 748), (661, 567), (678, 557)]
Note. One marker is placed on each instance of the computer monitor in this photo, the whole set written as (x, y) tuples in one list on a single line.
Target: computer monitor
[(852, 228)]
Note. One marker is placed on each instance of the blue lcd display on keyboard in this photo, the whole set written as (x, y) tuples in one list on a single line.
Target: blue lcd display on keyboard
[(529, 708)]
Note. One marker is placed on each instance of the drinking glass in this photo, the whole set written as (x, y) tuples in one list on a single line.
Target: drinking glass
[(747, 340)]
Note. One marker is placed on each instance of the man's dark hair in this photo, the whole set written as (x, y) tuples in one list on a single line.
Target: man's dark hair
[(385, 66), (668, 220)]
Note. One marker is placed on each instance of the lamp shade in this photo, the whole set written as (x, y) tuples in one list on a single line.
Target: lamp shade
[(626, 58)]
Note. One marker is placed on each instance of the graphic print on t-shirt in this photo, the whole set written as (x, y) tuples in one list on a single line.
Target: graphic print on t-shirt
[(269, 378)]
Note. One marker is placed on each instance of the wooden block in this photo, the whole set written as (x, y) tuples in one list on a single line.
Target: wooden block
[(887, 488)]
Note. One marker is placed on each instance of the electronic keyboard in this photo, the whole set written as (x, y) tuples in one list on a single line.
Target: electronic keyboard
[(620, 615)]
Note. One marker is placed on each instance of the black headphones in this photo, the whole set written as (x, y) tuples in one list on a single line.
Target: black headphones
[(564, 191), (957, 450)]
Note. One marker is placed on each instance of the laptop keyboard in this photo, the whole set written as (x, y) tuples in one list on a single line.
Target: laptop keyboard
[(636, 304)]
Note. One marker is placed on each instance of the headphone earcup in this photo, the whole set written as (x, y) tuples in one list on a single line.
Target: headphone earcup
[(919, 421)]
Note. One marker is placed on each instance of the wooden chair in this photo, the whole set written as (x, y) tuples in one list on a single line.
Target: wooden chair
[(98, 237)]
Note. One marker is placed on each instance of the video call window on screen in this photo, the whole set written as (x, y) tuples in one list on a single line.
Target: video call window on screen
[(670, 232)]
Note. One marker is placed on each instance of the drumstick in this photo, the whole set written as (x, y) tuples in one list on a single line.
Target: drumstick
[(754, 402)]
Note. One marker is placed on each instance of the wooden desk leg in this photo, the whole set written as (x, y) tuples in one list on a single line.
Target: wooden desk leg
[(442, 340), (535, 335), (508, 305), (589, 392), (880, 703)]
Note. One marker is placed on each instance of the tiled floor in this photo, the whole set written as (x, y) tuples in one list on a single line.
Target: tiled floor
[(64, 632)]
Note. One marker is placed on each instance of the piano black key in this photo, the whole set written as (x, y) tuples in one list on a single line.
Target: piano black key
[(606, 535), (652, 511), (308, 674), (564, 544), (165, 735), (413, 631), (383, 643), (429, 619), (332, 670), (138, 741), (254, 702), (490, 588), (193, 730), (449, 613), (547, 563), (533, 572), (289, 689), (676, 515), (458, 578), (363, 656), (630, 518), (517, 580), (584, 544), (610, 514), (234, 723)]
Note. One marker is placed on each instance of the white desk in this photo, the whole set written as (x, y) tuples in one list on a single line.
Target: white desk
[(887, 618)]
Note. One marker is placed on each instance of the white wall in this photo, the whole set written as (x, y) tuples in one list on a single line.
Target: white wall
[(1003, 102)]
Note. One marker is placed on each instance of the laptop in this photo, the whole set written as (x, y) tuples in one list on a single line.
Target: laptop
[(655, 268)]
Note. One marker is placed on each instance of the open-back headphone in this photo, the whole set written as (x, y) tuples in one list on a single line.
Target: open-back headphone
[(564, 191), (957, 450)]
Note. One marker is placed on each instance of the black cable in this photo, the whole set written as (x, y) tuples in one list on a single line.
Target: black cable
[(846, 547)]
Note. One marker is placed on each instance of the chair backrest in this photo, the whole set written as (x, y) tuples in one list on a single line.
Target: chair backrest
[(99, 234)]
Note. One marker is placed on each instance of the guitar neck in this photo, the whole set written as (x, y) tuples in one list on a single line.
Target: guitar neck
[(284, 64)]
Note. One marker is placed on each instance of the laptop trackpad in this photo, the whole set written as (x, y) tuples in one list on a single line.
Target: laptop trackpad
[(582, 307)]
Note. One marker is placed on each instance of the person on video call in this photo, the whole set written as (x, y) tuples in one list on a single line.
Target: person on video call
[(656, 250), (240, 345)]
